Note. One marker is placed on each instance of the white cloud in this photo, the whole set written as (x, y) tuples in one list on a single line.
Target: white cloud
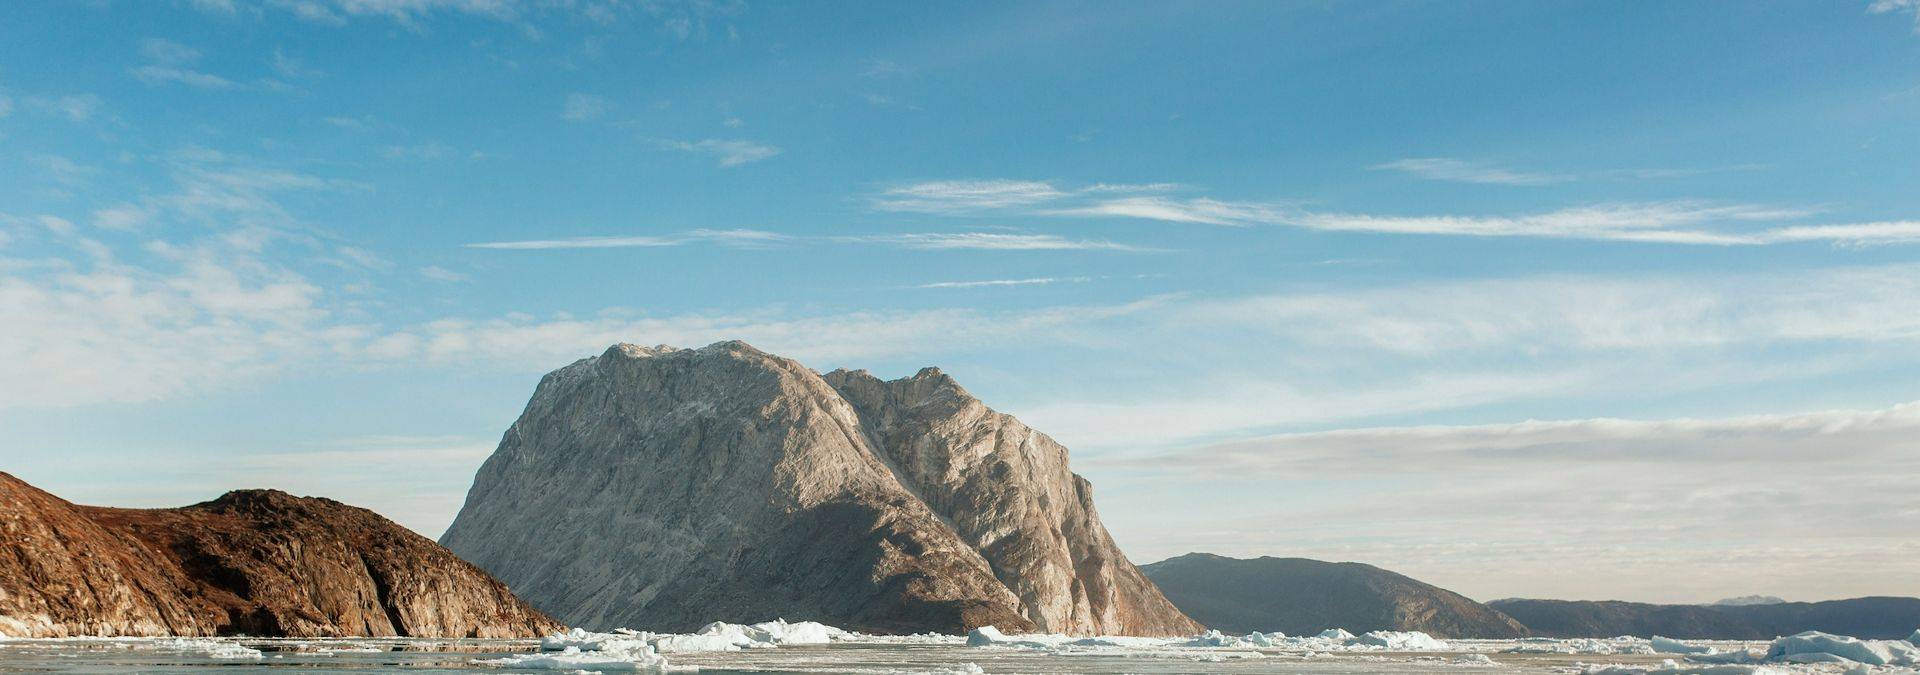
[(1686, 222), (729, 152), (442, 274), (965, 196), (736, 238), (1898, 7), (1459, 171), (1561, 508), (1036, 281), (991, 241), (169, 62), (582, 107), (74, 107)]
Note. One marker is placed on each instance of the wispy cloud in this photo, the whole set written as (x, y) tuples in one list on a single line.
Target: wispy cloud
[(583, 107), (74, 107), (1036, 281), (743, 238), (444, 275), (737, 238), (729, 152), (993, 241), (170, 62), (1461, 171), (1898, 7), (1688, 222)]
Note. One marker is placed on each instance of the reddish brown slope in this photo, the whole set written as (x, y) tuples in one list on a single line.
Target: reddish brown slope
[(256, 562)]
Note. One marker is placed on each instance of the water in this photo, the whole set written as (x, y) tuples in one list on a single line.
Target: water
[(877, 656)]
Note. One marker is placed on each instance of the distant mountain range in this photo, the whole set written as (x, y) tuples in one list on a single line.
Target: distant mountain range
[(1299, 596), (1873, 617), (1746, 600)]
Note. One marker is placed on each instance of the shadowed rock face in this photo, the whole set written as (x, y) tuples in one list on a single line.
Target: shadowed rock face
[(1298, 596), (254, 562), (663, 488)]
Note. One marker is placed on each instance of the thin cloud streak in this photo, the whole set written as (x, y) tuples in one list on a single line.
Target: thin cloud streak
[(984, 241), (1037, 281), (1680, 222), (1460, 171)]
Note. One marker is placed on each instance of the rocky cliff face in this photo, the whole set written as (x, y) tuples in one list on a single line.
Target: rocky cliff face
[(1298, 596), (255, 562), (663, 488)]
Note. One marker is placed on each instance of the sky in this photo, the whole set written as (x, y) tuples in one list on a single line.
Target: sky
[(1573, 299)]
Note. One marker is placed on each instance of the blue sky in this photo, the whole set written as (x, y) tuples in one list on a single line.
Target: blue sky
[(1526, 299)]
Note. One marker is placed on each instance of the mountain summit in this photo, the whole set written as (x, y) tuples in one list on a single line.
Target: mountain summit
[(1300, 597), (664, 488)]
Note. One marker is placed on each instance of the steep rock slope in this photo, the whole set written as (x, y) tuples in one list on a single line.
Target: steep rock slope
[(1299, 596), (1883, 618), (255, 562), (663, 488)]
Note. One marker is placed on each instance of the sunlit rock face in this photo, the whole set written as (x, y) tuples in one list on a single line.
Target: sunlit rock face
[(663, 488), (253, 562)]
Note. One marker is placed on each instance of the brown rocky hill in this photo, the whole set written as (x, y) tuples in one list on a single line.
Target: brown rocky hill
[(253, 562), (662, 488), (1298, 596)]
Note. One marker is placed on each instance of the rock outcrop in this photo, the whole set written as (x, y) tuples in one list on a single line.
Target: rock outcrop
[(1298, 596), (1877, 618), (253, 562), (662, 488)]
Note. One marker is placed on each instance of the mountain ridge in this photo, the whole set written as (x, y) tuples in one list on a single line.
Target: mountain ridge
[(1303, 596), (733, 484), (256, 562)]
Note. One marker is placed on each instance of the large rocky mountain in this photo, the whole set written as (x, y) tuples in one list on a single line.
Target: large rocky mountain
[(1299, 596), (253, 562), (1884, 618), (664, 488)]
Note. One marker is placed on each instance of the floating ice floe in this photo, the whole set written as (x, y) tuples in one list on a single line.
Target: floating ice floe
[(1665, 645), (1335, 634), (1818, 647)]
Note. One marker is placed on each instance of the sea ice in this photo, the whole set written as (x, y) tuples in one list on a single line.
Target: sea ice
[(1335, 634)]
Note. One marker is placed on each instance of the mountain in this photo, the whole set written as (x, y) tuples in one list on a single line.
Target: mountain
[(1298, 596), (1872, 617), (664, 488), (253, 562)]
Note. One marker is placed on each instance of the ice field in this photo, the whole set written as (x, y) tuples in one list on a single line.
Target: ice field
[(806, 647)]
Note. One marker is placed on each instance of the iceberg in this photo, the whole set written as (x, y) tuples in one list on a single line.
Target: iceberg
[(1335, 634)]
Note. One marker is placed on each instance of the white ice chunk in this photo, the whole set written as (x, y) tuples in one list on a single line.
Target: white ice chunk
[(1669, 667), (1671, 646), (1400, 641), (213, 649), (641, 658), (1335, 634), (1803, 647), (984, 636)]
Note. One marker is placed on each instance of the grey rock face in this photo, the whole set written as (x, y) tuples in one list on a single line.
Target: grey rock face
[(662, 488)]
